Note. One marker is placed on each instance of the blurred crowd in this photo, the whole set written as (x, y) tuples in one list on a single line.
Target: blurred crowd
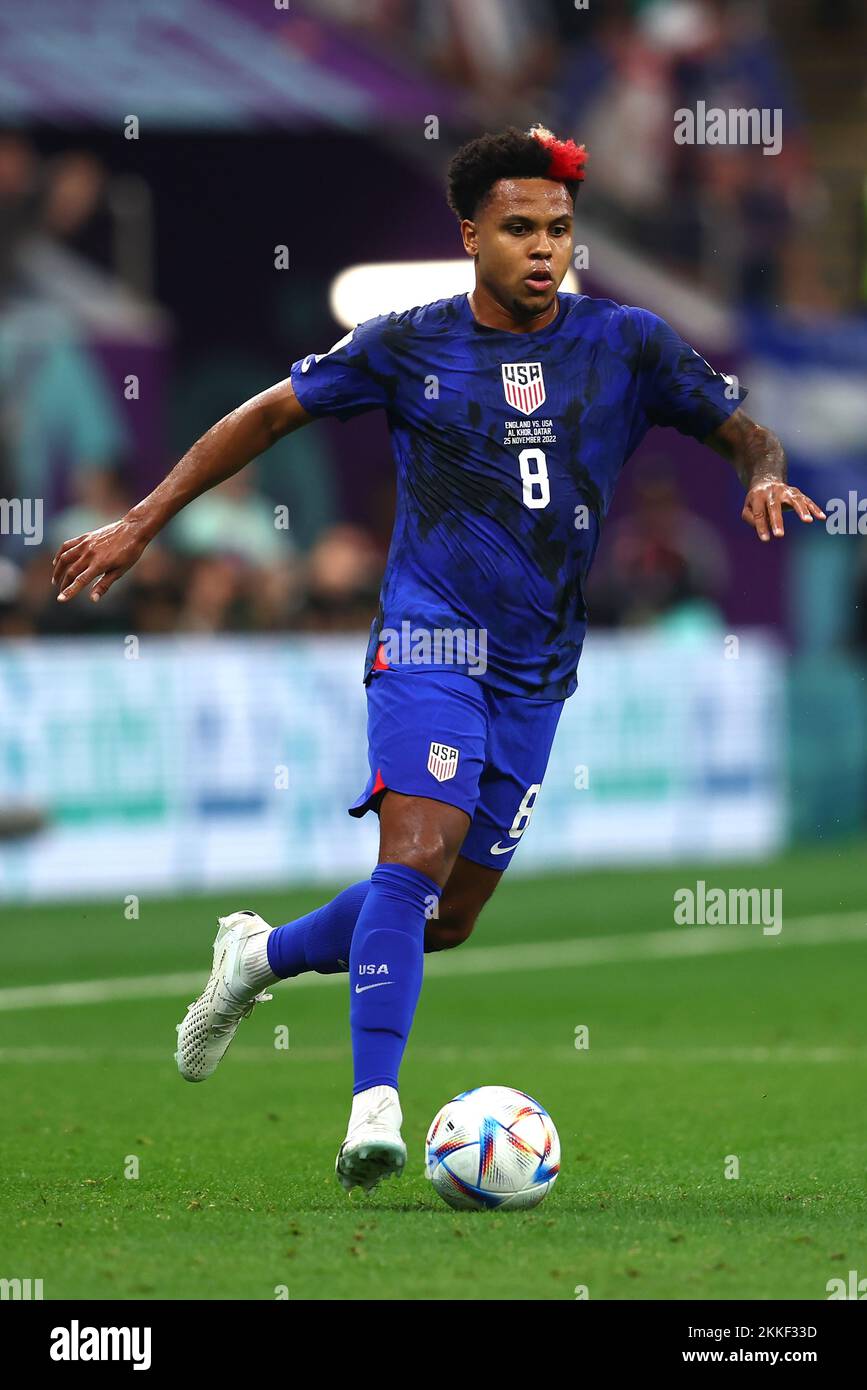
[(226, 564), (612, 74), (65, 198), (241, 559), (661, 564)]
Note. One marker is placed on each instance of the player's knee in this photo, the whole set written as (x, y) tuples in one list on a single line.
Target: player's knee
[(430, 856), (423, 834)]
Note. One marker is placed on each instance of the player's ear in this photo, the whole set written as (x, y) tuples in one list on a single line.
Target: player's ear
[(470, 235)]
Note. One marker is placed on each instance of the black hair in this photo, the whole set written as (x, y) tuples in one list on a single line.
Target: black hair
[(511, 154)]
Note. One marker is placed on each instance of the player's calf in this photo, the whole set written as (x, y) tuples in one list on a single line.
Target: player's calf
[(386, 964), (450, 930), (469, 887)]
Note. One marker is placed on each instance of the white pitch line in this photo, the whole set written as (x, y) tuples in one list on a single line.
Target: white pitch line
[(831, 929)]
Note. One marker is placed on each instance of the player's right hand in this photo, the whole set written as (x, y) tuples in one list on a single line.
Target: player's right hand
[(102, 555)]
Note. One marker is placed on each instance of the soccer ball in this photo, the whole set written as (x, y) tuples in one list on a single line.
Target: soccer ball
[(492, 1147)]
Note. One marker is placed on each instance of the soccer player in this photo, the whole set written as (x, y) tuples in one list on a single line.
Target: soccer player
[(512, 411)]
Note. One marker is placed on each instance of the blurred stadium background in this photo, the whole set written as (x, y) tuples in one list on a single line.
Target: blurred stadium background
[(204, 725)]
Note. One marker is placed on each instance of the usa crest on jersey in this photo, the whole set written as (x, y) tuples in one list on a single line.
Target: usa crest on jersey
[(442, 761), (524, 386)]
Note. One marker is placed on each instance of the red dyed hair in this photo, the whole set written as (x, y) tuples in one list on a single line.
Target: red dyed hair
[(567, 158)]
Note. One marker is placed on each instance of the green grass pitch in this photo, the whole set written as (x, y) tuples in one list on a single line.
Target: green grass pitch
[(759, 1053)]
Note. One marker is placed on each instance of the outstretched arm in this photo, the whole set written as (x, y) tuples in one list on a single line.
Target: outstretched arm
[(231, 444), (760, 463)]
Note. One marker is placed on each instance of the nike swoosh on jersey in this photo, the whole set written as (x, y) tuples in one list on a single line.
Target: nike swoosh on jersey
[(359, 989), (503, 849)]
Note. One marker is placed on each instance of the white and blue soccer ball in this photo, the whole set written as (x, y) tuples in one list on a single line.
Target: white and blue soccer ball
[(492, 1148)]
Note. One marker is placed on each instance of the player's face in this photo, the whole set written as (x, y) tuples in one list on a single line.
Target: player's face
[(522, 241)]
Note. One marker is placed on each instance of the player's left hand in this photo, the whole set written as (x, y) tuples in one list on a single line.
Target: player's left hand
[(764, 504)]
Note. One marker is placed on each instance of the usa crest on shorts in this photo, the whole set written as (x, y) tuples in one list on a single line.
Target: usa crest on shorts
[(524, 385), (442, 761)]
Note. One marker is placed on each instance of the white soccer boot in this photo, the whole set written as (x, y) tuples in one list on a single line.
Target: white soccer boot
[(235, 986), (373, 1148)]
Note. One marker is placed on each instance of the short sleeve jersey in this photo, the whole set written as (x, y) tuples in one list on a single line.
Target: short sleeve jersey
[(508, 448)]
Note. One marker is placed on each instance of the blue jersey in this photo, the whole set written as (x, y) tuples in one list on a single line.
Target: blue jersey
[(508, 447)]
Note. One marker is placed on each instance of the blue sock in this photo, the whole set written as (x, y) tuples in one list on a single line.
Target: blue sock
[(320, 941), (386, 962)]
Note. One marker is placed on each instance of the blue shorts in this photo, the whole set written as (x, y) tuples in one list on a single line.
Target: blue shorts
[(454, 739)]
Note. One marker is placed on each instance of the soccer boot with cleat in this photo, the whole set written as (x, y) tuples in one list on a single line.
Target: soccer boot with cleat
[(373, 1148), (234, 988)]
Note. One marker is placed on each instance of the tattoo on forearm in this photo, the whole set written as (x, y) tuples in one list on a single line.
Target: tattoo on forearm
[(755, 452)]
